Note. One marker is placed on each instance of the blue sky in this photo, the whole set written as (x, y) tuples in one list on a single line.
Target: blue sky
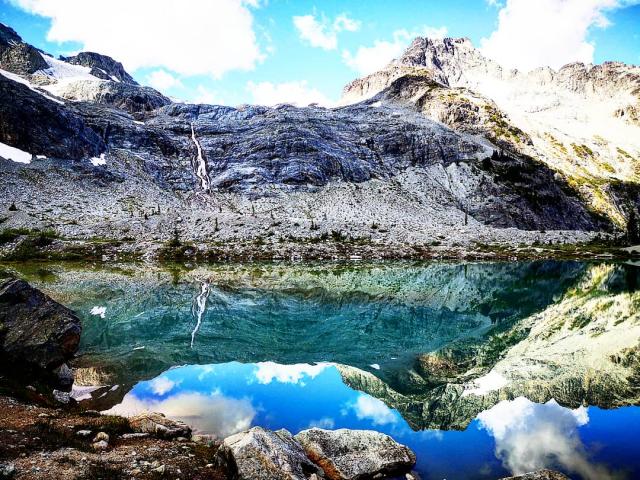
[(300, 51)]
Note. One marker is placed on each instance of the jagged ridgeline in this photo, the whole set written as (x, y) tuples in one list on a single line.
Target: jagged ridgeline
[(442, 146)]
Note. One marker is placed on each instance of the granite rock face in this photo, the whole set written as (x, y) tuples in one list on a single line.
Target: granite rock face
[(34, 329), (260, 454), (355, 454), (16, 56)]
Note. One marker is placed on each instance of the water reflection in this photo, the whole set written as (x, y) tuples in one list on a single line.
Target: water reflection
[(512, 437)]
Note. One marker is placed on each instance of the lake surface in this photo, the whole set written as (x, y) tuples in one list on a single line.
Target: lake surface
[(483, 369)]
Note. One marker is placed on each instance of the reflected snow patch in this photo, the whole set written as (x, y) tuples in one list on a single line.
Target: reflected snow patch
[(99, 311)]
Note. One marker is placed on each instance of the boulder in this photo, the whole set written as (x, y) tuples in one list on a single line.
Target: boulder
[(35, 331), (544, 474), (259, 454), (160, 426), (355, 454)]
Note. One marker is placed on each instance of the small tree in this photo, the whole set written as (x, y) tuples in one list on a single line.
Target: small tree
[(12, 207)]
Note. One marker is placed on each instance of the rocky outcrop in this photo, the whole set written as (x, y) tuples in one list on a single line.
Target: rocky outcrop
[(37, 334), (16, 56), (34, 329), (102, 66), (260, 454), (355, 454), (42, 126), (158, 425), (539, 475)]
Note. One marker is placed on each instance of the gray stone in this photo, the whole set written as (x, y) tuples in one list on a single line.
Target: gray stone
[(7, 470), (101, 436), (259, 454), (101, 445), (83, 433), (37, 331), (160, 426), (544, 474), (355, 454)]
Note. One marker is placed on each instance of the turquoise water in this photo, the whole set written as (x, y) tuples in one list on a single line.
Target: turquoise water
[(483, 369)]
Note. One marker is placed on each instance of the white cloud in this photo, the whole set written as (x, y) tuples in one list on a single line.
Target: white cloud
[(531, 436), (370, 59), (215, 413), (325, 422), (370, 408), (163, 80), (189, 38), (206, 96), (270, 371), (161, 385), (322, 33), (547, 32), (296, 93)]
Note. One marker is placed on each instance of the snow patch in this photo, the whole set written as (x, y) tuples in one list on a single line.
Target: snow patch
[(483, 385), (95, 161), (19, 79), (14, 154), (99, 311)]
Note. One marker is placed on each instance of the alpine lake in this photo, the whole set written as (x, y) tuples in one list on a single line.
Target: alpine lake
[(483, 369)]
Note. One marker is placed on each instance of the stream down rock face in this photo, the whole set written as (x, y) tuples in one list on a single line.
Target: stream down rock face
[(260, 454), (35, 331), (355, 454)]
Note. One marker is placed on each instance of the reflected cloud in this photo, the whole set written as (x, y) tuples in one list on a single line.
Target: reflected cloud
[(326, 423), (99, 311), (270, 371), (370, 408), (531, 436), (215, 413), (162, 385)]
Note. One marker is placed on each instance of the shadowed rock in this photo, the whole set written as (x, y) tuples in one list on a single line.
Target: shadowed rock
[(157, 424), (35, 331)]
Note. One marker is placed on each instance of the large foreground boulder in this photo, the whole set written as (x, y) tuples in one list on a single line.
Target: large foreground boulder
[(260, 454), (539, 475), (35, 331), (355, 454)]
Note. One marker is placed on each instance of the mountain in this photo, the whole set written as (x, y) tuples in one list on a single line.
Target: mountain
[(583, 121), (420, 157)]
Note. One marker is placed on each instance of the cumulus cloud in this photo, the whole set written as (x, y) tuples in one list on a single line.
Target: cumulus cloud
[(206, 96), (322, 33), (267, 372), (531, 436), (369, 59), (189, 38), (371, 408), (325, 422), (161, 385), (163, 80), (215, 413), (296, 93), (547, 32)]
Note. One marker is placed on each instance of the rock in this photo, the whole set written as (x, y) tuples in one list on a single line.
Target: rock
[(259, 454), (7, 470), (102, 66), (544, 474), (161, 469), (101, 436), (61, 397), (64, 375), (355, 454), (100, 446), (36, 330), (83, 433), (203, 439), (132, 436), (160, 426)]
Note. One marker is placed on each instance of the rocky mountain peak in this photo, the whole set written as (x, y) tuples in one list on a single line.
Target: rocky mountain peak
[(102, 66), (16, 56)]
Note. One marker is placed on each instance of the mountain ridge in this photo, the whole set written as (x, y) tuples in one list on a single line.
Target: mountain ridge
[(422, 163)]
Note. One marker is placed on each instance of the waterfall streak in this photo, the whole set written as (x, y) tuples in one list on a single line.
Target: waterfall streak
[(199, 307), (201, 165)]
